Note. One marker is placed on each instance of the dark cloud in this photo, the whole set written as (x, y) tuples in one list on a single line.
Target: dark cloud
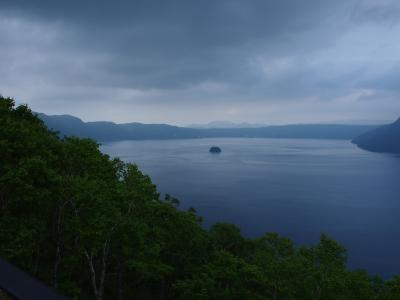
[(385, 12), (186, 61)]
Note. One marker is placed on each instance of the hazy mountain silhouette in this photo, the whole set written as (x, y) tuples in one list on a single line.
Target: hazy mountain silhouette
[(68, 125), (108, 131), (382, 139), (226, 124)]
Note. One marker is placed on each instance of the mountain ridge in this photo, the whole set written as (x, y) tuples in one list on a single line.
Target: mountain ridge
[(225, 124), (384, 139), (103, 131)]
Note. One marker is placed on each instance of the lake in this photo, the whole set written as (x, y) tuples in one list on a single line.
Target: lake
[(298, 188)]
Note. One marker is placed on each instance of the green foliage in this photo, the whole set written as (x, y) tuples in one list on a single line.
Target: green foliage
[(95, 227)]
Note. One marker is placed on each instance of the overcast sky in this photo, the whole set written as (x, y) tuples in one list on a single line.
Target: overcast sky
[(182, 62)]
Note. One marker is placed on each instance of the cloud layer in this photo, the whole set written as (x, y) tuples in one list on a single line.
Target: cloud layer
[(186, 61)]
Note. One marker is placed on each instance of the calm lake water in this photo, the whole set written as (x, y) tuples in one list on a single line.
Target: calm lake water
[(298, 188)]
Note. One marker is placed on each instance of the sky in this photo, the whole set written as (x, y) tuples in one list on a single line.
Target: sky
[(190, 61)]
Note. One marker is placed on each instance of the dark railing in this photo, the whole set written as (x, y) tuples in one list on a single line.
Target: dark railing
[(21, 286)]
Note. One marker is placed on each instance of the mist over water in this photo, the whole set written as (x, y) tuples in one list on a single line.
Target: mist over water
[(298, 188)]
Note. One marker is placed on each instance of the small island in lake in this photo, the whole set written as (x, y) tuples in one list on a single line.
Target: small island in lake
[(215, 149)]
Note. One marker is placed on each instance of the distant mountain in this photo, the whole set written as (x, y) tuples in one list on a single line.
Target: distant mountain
[(225, 124), (382, 139), (108, 131), (67, 125), (302, 131)]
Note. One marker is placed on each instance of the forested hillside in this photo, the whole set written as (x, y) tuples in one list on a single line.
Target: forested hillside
[(96, 228), (382, 139)]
